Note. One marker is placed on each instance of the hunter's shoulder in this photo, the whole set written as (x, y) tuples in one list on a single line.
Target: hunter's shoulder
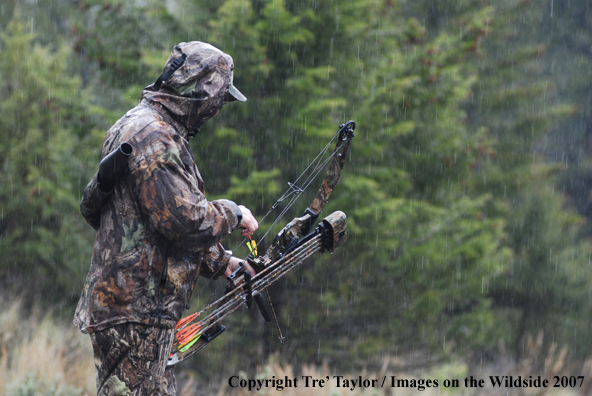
[(142, 126)]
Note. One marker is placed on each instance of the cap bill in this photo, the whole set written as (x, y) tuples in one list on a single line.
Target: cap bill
[(235, 94)]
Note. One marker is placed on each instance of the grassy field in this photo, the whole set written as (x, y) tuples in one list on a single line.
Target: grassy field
[(38, 356), (42, 356)]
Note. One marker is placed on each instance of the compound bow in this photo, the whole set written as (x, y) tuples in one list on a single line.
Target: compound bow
[(293, 244)]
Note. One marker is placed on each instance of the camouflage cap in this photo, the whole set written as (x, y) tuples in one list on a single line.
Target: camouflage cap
[(198, 88), (206, 73)]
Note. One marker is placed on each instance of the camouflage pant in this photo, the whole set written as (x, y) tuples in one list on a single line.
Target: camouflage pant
[(130, 359)]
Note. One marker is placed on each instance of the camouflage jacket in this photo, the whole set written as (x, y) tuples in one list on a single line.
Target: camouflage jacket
[(156, 231)]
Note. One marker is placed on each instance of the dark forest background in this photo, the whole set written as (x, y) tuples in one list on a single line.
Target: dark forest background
[(468, 190)]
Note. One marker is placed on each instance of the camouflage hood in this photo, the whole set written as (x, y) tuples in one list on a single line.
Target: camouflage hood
[(199, 88)]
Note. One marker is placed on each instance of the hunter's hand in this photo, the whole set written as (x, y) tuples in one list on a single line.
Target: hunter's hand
[(234, 263), (249, 224)]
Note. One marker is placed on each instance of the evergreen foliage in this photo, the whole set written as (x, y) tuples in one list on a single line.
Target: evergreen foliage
[(44, 126), (458, 234)]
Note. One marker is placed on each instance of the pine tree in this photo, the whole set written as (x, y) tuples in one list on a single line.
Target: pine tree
[(43, 129), (515, 107)]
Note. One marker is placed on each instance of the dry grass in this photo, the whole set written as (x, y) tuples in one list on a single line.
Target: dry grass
[(40, 351), (546, 362), (45, 357)]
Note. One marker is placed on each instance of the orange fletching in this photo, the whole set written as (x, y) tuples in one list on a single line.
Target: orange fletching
[(187, 334), (186, 320)]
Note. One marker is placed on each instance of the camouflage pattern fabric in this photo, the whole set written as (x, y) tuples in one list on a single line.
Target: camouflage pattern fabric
[(157, 231), (199, 89), (130, 360)]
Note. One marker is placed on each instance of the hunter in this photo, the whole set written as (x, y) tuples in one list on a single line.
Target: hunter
[(156, 231)]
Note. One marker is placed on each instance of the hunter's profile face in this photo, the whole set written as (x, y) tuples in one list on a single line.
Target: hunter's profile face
[(206, 78), (198, 83)]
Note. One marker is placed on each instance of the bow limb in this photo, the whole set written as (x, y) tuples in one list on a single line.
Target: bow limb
[(346, 134), (288, 236)]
